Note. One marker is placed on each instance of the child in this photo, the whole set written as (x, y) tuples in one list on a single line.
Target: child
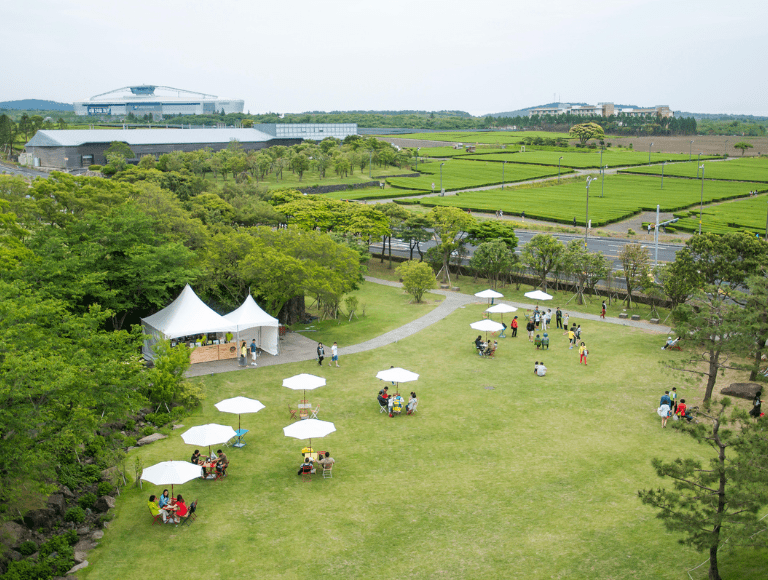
[(565, 322), (583, 354), (664, 412), (673, 397), (602, 314), (571, 337)]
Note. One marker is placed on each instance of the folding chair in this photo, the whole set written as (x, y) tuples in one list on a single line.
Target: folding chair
[(158, 519), (306, 473), (314, 413), (328, 472), (240, 433), (292, 411), (190, 514), (383, 407), (221, 474)]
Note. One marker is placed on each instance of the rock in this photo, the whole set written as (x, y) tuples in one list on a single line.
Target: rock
[(456, 289), (150, 439), (130, 449), (97, 535), (15, 556), (12, 534), (104, 504), (80, 566), (67, 492), (105, 525), (622, 315), (178, 427), (85, 545), (42, 518), (109, 474), (742, 390), (654, 321), (57, 503), (635, 317), (83, 531), (80, 557)]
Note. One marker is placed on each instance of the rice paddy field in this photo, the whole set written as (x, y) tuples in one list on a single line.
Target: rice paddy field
[(733, 169), (623, 196)]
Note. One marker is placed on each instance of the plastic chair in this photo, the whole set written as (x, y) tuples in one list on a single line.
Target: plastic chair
[(314, 413), (190, 514)]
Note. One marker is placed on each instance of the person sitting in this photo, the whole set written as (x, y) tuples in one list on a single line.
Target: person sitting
[(671, 343), (545, 341), (196, 457), (383, 396), (537, 342), (756, 411), (479, 345), (307, 466), (221, 463), (536, 368), (154, 509), (181, 508), (397, 405), (412, 402), (541, 370), (327, 461), (164, 499), (683, 412)]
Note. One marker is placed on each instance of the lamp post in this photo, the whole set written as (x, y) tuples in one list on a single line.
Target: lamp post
[(586, 219), (701, 202), (725, 148), (690, 150), (503, 164), (698, 162), (558, 169), (663, 163), (417, 157), (441, 179), (649, 153), (370, 157)]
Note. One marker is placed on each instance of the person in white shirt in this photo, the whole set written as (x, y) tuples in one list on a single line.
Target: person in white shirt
[(334, 354), (541, 370)]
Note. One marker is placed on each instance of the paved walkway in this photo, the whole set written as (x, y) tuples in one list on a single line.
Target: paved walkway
[(295, 347)]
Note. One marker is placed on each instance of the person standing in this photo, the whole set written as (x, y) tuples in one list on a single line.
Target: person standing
[(574, 221), (756, 405), (666, 399), (530, 327), (543, 318), (664, 412), (334, 354), (254, 352), (602, 314), (320, 353), (559, 318), (523, 215), (514, 327), (571, 337), (673, 397), (583, 352), (565, 321), (243, 354)]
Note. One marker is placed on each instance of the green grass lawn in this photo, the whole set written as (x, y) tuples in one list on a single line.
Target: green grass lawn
[(460, 174), (500, 474), (451, 152), (386, 308), (747, 214), (624, 196), (583, 159), (470, 137), (747, 169)]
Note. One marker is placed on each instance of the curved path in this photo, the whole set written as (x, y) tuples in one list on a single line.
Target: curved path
[(299, 348)]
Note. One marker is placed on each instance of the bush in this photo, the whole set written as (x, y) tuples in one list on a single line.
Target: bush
[(76, 475), (94, 167), (87, 500), (129, 442), (75, 514), (27, 548), (147, 430), (71, 537), (158, 419), (130, 425), (105, 488), (630, 232)]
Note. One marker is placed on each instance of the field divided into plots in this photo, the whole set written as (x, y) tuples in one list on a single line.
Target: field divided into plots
[(469, 137), (624, 196), (748, 169), (589, 159), (748, 214)]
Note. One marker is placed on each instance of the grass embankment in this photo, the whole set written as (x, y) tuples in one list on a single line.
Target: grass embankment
[(499, 474), (313, 179), (748, 214)]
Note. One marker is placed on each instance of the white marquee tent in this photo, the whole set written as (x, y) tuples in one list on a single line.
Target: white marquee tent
[(252, 322), (185, 316)]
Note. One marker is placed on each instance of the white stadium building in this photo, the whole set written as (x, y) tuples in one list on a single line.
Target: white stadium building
[(159, 101)]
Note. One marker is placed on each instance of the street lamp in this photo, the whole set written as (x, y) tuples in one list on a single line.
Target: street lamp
[(690, 150), (725, 148), (649, 153), (698, 162), (441, 179), (663, 163), (586, 219), (417, 157), (558, 169), (602, 170), (701, 202), (503, 164), (370, 157)]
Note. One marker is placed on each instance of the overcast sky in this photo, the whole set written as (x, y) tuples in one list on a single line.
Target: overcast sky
[(480, 56)]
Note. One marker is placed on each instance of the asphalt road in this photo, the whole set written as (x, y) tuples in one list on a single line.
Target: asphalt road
[(15, 170)]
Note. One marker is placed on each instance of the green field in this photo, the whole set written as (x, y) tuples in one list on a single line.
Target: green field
[(624, 196), (460, 174), (734, 169), (500, 474), (748, 214), (581, 159), (481, 136), (371, 193), (312, 179), (451, 152)]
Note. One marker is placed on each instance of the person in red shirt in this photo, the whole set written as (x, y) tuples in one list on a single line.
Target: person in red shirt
[(682, 411), (181, 507), (514, 326)]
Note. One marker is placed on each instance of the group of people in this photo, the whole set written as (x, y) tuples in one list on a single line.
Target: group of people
[(397, 402), (321, 354), (308, 465), (669, 407), (220, 463), (485, 348), (172, 510), (254, 351), (539, 369)]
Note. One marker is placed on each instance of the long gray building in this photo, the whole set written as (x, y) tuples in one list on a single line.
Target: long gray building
[(72, 149)]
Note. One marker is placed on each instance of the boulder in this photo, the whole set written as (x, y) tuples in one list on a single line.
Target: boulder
[(742, 390), (85, 545), (42, 518), (83, 531), (97, 535), (654, 321), (78, 567), (66, 492), (635, 317), (622, 315), (56, 502), (178, 427), (12, 534), (15, 556), (109, 474), (104, 504), (80, 557), (150, 439)]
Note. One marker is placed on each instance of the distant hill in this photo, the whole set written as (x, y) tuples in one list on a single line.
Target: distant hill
[(36, 105), (524, 112), (719, 116)]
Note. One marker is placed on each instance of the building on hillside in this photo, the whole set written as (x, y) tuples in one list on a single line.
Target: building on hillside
[(142, 99), (601, 110), (72, 149)]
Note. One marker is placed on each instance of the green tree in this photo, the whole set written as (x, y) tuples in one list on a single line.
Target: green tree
[(743, 145), (147, 162), (756, 315), (586, 267), (709, 503), (490, 230), (300, 164), (7, 133), (586, 131), (397, 214), (542, 254), (415, 229), (167, 382), (491, 259), (636, 266), (417, 277), (120, 148), (449, 224)]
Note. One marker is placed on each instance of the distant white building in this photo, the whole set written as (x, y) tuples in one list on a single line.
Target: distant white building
[(142, 99), (601, 110)]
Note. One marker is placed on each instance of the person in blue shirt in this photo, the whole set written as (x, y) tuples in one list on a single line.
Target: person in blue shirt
[(665, 399), (164, 499)]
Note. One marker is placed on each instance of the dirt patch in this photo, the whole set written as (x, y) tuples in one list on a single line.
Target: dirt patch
[(704, 144)]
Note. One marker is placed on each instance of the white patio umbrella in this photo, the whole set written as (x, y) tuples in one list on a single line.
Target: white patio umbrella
[(309, 429), (501, 309), (207, 435), (486, 326), (304, 382), (538, 295), (489, 294), (239, 405), (171, 472), (397, 375)]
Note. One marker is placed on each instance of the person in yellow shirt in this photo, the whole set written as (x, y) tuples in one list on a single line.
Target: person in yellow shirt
[(583, 354), (154, 509), (571, 337)]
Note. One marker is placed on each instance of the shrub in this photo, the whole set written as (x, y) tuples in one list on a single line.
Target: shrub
[(71, 537), (147, 430), (75, 514), (27, 548), (630, 232), (105, 488), (129, 442), (94, 167), (130, 425), (87, 500)]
